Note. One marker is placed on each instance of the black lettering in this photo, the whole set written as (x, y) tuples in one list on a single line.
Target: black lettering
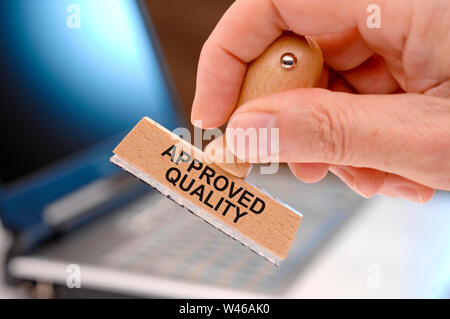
[(170, 151), (192, 165), (238, 215), (208, 176), (225, 183), (207, 199), (199, 192), (261, 209), (225, 211), (186, 189), (231, 193), (173, 180), (184, 157), (244, 197), (218, 204)]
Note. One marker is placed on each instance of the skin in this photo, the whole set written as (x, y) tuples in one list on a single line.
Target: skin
[(380, 120)]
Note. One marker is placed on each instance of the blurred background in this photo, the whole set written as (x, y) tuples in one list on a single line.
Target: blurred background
[(183, 27), (75, 77)]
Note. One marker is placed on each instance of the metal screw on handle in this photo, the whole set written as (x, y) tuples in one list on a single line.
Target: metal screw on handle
[(288, 61)]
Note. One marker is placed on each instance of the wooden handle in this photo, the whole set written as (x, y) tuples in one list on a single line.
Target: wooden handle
[(292, 61)]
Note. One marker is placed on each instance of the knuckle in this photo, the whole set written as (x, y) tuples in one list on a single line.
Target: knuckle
[(331, 133)]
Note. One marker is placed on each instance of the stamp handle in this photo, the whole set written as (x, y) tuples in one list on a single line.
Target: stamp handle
[(292, 61)]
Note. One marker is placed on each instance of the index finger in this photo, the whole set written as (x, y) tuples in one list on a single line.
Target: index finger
[(250, 26), (243, 33)]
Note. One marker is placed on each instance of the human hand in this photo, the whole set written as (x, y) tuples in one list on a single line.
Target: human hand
[(380, 122)]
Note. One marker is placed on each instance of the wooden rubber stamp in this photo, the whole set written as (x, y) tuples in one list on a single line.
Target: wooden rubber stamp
[(212, 191)]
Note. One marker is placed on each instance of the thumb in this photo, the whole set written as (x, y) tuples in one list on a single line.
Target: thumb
[(404, 134)]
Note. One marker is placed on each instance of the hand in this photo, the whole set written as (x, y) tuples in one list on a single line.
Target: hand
[(380, 122)]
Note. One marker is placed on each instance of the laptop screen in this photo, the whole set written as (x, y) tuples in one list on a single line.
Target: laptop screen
[(73, 73)]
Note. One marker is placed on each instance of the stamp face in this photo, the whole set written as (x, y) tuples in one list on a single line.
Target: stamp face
[(183, 169)]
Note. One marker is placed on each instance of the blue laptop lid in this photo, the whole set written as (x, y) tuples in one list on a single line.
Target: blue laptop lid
[(76, 76)]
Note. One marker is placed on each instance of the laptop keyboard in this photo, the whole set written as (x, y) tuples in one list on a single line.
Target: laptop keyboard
[(158, 238)]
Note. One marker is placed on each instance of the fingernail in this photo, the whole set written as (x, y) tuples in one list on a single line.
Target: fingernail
[(253, 120), (409, 193), (256, 126)]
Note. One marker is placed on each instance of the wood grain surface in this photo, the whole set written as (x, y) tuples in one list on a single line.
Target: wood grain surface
[(184, 170)]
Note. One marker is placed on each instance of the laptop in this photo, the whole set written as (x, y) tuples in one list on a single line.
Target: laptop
[(76, 77)]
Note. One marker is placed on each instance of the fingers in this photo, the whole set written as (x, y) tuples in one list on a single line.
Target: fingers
[(397, 186), (368, 182), (345, 50), (249, 26), (364, 181), (243, 33), (218, 87), (371, 77), (324, 78), (338, 84), (309, 172), (390, 133)]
